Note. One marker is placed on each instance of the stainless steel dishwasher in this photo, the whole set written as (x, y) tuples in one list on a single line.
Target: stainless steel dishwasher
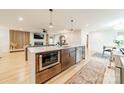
[(80, 53)]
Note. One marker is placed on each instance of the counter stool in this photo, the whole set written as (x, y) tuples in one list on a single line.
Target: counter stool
[(110, 50)]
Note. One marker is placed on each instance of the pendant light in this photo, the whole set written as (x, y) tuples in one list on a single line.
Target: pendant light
[(72, 29), (51, 23)]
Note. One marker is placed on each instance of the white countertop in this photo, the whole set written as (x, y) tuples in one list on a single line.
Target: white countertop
[(49, 48)]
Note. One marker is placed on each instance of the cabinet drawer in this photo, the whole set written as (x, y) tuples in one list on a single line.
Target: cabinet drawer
[(66, 64), (42, 76), (54, 70), (46, 74)]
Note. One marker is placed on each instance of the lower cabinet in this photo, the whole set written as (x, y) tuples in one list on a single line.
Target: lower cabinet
[(48, 73), (68, 58), (79, 54)]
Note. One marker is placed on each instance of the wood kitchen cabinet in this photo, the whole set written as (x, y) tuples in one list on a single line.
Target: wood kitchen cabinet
[(48, 73), (68, 58)]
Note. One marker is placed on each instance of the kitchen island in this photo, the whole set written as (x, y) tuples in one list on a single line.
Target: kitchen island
[(47, 62)]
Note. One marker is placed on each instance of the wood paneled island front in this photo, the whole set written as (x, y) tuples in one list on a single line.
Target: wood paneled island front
[(47, 62)]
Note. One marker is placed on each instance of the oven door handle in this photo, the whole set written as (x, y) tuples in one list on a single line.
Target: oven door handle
[(40, 62)]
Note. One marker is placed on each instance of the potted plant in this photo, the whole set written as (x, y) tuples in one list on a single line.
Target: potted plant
[(119, 42)]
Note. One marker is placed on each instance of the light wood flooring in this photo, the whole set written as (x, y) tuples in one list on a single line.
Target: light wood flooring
[(14, 69)]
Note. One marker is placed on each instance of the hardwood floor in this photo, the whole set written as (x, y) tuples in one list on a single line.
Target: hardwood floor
[(14, 69)]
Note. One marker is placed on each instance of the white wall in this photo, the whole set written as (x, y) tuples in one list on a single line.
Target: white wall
[(83, 37), (4, 39), (102, 37), (121, 33), (72, 37)]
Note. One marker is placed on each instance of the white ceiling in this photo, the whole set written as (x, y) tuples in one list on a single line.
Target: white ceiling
[(34, 20)]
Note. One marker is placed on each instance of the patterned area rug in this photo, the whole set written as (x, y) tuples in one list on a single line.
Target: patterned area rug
[(99, 55), (91, 73)]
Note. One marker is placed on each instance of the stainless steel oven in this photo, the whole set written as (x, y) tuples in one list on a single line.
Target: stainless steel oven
[(49, 59)]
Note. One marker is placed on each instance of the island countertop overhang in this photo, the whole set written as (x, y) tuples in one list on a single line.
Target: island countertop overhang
[(50, 48)]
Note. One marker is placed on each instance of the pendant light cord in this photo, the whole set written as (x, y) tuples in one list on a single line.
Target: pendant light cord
[(72, 25), (51, 10)]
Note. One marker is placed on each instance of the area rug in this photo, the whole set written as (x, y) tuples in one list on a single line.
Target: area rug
[(91, 73), (99, 55)]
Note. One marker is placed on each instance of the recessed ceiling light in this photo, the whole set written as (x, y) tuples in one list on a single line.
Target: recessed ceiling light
[(20, 18)]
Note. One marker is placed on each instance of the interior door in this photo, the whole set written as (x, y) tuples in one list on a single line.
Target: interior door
[(18, 39), (65, 59)]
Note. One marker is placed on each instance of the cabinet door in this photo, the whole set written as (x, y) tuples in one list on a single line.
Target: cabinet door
[(65, 59)]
